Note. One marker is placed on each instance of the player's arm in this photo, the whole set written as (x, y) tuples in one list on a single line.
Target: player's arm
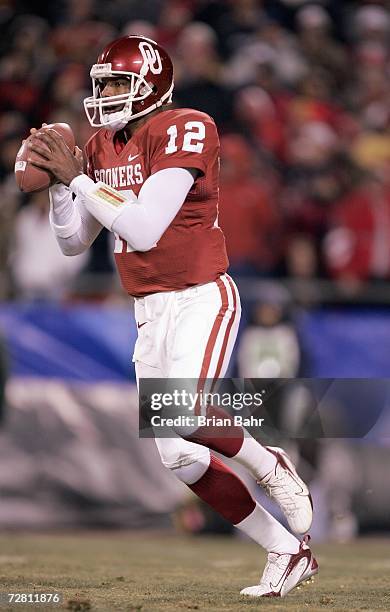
[(139, 221), (74, 227), (181, 146)]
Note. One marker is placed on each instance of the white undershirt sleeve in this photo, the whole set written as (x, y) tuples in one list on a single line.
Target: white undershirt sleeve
[(159, 201), (139, 221)]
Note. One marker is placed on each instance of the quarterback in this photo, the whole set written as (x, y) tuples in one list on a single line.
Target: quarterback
[(152, 180)]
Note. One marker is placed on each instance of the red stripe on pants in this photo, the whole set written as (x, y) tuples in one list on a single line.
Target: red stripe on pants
[(228, 330), (224, 440), (214, 330)]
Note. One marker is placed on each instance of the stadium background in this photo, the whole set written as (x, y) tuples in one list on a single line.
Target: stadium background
[(301, 95)]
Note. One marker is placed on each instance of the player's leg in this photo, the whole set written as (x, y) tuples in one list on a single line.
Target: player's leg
[(219, 486), (224, 491), (289, 563), (207, 321)]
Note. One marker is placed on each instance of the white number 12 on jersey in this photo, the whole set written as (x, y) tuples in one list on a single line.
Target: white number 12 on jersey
[(195, 131)]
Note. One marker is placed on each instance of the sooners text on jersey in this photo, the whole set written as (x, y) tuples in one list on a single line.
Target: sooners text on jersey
[(192, 250)]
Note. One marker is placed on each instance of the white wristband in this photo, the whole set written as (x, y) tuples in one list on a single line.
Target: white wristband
[(101, 200)]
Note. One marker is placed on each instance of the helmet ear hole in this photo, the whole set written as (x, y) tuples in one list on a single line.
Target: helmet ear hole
[(143, 90), (148, 88)]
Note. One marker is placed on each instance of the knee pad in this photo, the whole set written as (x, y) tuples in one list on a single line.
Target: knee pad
[(187, 460)]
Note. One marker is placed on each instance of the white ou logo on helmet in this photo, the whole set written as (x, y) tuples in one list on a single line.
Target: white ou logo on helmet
[(152, 59)]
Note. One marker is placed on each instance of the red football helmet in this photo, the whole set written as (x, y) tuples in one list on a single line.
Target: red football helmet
[(149, 71)]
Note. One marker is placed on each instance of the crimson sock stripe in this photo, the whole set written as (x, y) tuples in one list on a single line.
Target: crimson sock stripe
[(226, 440), (225, 492)]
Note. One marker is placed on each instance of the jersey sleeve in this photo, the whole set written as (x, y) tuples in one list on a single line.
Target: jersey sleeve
[(183, 139)]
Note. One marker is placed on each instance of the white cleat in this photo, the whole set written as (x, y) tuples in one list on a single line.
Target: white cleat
[(288, 490), (284, 572)]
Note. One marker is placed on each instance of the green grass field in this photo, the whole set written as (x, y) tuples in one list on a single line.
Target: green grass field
[(135, 571)]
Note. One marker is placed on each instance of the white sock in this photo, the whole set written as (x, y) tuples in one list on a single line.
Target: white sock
[(256, 458), (268, 532)]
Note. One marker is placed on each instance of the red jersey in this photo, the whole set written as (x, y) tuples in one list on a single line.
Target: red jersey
[(192, 250)]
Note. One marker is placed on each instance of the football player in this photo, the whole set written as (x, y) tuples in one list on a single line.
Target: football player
[(152, 180)]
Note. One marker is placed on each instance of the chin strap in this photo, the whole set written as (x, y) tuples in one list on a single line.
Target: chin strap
[(117, 121)]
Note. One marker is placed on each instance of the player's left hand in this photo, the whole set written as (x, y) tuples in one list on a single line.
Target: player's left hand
[(58, 160)]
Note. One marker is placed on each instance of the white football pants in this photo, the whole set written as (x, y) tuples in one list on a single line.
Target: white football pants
[(187, 334)]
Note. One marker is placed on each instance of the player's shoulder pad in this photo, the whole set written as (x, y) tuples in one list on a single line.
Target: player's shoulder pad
[(179, 117)]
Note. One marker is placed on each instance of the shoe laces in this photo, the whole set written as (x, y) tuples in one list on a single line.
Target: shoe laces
[(278, 486)]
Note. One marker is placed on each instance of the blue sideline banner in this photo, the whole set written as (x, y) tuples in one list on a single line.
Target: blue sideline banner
[(95, 343)]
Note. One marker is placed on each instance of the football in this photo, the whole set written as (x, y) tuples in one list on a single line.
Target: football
[(29, 178)]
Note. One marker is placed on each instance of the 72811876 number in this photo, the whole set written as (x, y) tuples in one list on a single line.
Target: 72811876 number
[(30, 598)]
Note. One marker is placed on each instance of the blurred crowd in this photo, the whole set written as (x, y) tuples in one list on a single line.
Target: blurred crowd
[(300, 92)]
